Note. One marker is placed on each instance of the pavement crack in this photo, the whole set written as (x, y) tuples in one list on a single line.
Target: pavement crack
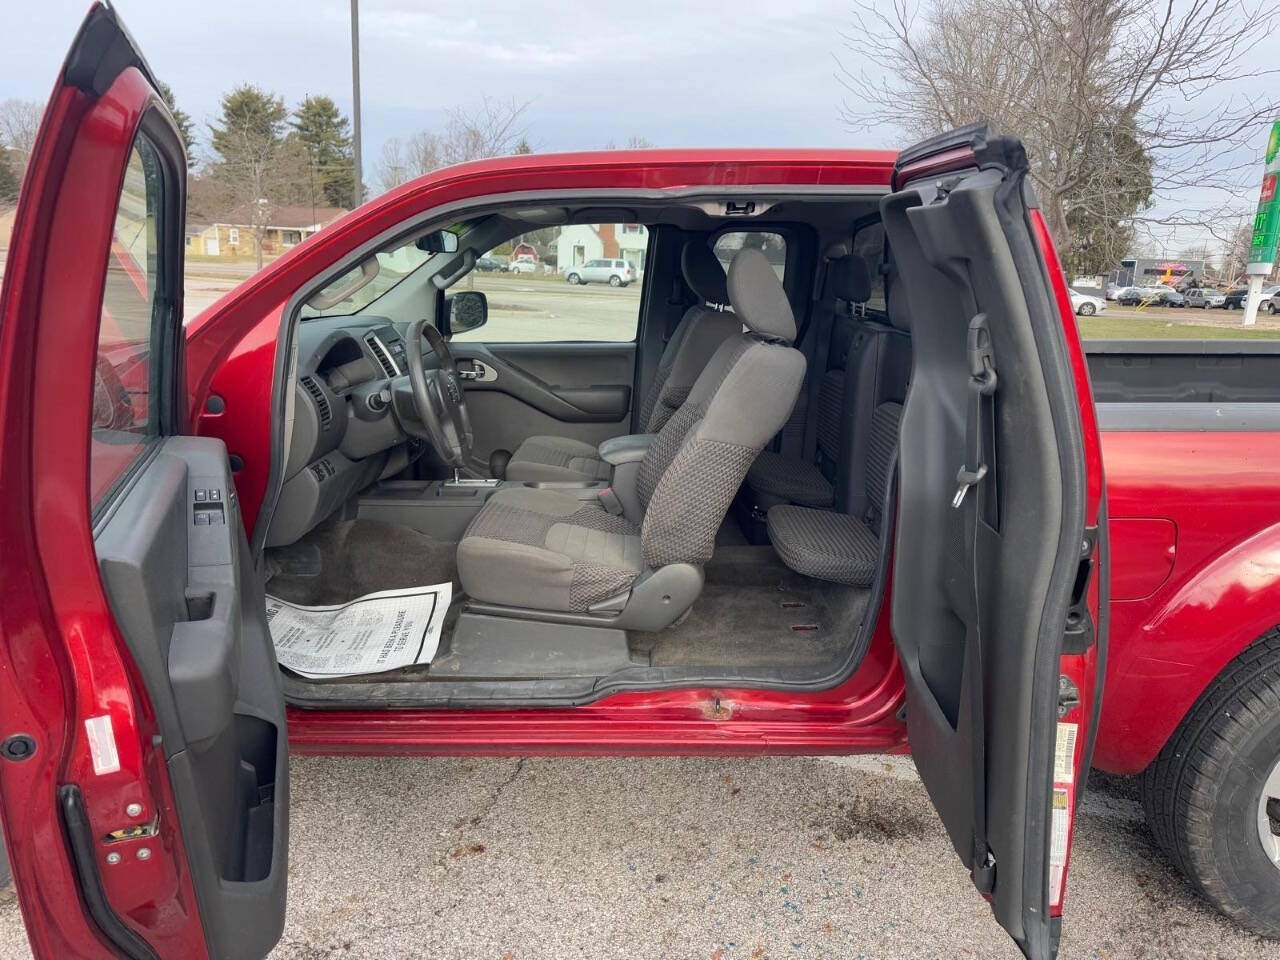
[(461, 850)]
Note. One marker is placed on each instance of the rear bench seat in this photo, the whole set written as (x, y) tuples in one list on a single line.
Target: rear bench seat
[(844, 547), (810, 481)]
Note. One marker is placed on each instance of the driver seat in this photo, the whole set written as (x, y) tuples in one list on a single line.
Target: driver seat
[(543, 549)]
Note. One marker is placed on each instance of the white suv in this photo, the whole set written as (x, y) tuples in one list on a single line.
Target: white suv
[(616, 273)]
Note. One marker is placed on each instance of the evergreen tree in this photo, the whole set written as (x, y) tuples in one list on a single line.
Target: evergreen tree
[(257, 164), (321, 128), (9, 182), (186, 126)]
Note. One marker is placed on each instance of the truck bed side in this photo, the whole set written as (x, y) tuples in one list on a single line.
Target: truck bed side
[(1191, 446)]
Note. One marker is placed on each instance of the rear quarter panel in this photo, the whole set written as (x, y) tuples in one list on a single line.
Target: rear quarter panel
[(1221, 493)]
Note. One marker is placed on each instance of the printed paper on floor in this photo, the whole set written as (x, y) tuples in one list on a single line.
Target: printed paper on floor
[(382, 631)]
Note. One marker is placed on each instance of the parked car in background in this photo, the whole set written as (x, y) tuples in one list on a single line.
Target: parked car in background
[(1272, 305), (1171, 298), (1203, 298), (1112, 291), (1132, 296), (616, 273), (1234, 298), (1086, 305), (489, 264), (523, 264)]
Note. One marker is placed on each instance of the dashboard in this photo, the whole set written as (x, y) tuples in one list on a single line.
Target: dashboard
[(344, 434)]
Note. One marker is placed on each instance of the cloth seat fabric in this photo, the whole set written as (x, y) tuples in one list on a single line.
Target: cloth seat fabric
[(778, 477), (701, 331), (824, 545), (548, 550), (557, 458), (791, 479), (545, 549)]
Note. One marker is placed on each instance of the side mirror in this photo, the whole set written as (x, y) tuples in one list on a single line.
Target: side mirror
[(468, 310), (438, 241)]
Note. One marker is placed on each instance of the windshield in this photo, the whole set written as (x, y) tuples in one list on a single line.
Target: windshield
[(353, 291)]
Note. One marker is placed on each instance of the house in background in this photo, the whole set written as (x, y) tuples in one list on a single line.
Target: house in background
[(232, 233), (581, 242)]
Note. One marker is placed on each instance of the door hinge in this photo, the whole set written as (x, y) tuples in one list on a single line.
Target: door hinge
[(1068, 695)]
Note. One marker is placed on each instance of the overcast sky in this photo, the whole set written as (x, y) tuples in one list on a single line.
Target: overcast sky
[(675, 72)]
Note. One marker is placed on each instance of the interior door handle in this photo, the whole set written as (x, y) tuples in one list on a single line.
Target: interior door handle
[(479, 372)]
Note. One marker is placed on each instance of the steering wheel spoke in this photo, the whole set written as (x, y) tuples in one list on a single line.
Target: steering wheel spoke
[(438, 396)]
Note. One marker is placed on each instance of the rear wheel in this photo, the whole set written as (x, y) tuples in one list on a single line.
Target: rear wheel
[(1212, 797), (615, 281)]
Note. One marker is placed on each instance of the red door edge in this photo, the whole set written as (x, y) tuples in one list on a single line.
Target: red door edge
[(62, 662)]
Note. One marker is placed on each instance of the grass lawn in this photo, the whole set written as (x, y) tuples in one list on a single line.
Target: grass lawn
[(1149, 328)]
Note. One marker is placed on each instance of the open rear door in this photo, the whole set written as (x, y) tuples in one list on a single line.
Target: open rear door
[(145, 771), (996, 589)]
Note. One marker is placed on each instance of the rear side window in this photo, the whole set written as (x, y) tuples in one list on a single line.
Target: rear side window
[(580, 290), (125, 417), (868, 243), (773, 245)]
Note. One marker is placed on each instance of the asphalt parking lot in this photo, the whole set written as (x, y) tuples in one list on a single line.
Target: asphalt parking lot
[(717, 859)]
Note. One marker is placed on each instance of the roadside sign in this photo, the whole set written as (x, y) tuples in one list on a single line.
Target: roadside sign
[(1266, 224)]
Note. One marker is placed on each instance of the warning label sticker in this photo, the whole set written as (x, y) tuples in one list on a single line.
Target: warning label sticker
[(1064, 753)]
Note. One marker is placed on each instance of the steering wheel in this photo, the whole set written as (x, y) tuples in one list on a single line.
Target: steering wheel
[(437, 396)]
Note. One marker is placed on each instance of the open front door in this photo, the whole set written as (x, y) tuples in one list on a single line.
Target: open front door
[(145, 763), (996, 597)]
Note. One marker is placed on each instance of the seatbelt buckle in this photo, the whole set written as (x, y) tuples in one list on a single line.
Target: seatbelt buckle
[(967, 478), (609, 500)]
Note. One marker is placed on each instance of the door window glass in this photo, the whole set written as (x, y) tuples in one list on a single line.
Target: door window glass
[(578, 291), (773, 245), (125, 417)]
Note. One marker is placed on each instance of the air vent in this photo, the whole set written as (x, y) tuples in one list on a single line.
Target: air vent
[(380, 351), (321, 399)]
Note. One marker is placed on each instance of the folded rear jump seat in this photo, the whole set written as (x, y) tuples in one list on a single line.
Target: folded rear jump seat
[(824, 544)]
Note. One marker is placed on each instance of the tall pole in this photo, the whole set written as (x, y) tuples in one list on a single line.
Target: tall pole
[(358, 190)]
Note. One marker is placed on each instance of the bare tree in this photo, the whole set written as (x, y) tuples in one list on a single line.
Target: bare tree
[(491, 129), (1120, 103), (19, 122)]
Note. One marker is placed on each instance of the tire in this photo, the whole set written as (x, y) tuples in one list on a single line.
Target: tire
[(574, 279), (1202, 793), (615, 281), (1271, 308), (1087, 310)]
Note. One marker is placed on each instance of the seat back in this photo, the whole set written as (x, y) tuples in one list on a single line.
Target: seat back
[(741, 399), (880, 359), (701, 330)]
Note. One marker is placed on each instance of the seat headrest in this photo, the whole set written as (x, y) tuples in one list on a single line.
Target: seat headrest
[(849, 279), (758, 298), (704, 273)]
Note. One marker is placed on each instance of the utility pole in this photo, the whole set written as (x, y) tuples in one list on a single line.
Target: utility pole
[(358, 193)]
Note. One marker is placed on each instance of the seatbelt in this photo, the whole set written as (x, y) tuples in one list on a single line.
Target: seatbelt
[(982, 387), (825, 316)]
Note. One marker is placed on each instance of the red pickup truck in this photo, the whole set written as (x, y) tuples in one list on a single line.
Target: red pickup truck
[(828, 480)]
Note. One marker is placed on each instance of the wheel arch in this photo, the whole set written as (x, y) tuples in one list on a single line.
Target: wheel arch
[(1165, 661)]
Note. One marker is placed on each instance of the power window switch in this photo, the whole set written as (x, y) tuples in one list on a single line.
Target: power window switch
[(202, 518), (202, 496), (215, 495)]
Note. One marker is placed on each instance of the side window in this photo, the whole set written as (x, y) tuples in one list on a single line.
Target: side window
[(575, 294), (868, 243), (774, 246), (125, 418)]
